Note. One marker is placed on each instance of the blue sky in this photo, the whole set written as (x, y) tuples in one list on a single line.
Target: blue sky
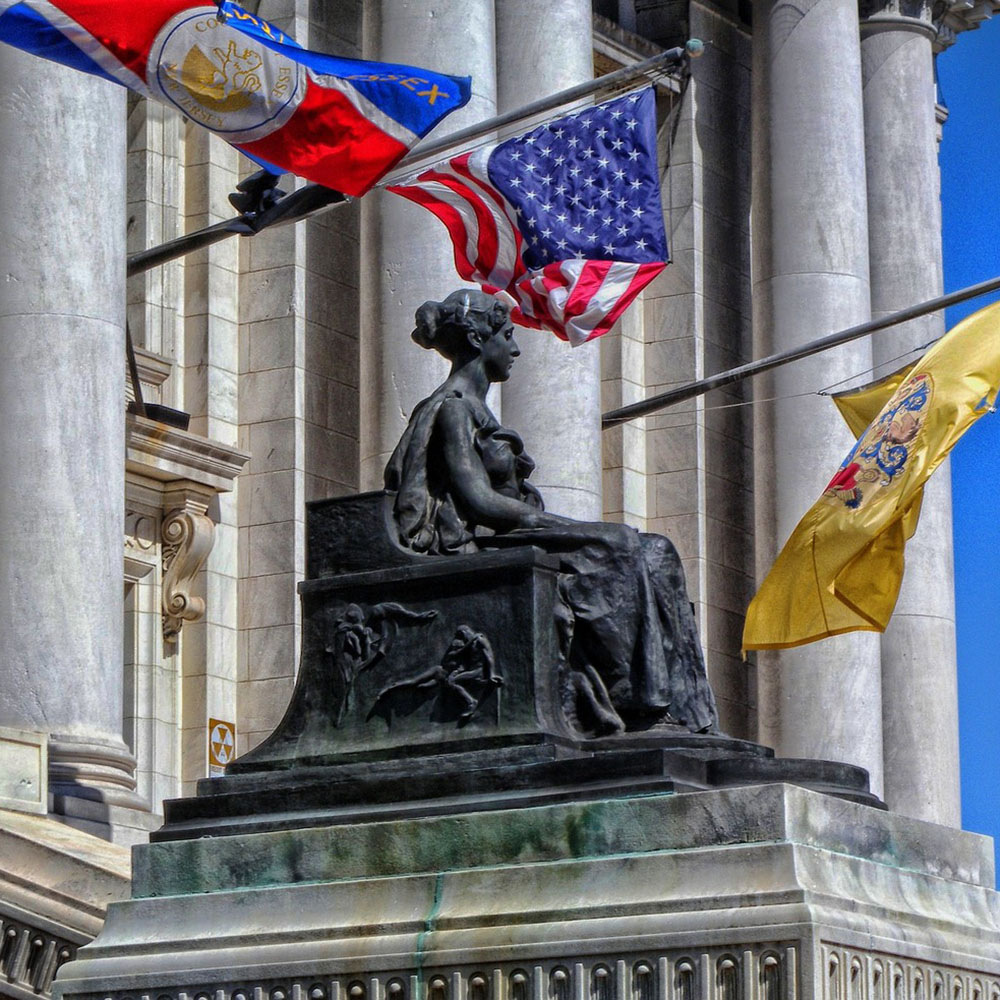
[(969, 78)]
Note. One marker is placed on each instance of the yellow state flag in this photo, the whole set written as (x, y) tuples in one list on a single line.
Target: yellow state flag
[(842, 566)]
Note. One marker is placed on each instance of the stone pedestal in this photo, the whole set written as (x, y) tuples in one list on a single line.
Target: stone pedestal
[(765, 893), (426, 821), (432, 686)]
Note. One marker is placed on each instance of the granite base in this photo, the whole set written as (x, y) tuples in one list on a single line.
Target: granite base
[(767, 893)]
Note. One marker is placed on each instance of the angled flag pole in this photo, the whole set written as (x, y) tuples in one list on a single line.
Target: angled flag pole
[(260, 212), (693, 389), (659, 63), (314, 198)]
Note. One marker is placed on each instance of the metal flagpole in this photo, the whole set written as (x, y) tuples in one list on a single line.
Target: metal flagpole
[(670, 57), (301, 204), (664, 399), (146, 260), (314, 198)]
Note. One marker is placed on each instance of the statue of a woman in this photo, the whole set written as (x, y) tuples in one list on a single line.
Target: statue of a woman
[(630, 652)]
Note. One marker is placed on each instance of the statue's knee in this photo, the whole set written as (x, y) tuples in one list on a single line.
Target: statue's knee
[(623, 538), (658, 546)]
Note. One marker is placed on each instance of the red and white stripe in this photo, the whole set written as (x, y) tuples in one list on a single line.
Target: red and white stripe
[(478, 218), (577, 300)]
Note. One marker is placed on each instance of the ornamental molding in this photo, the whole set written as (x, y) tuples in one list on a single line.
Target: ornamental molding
[(694, 973), (172, 477), (187, 534), (30, 958), (860, 974), (917, 15), (940, 21), (740, 970), (165, 454), (963, 15)]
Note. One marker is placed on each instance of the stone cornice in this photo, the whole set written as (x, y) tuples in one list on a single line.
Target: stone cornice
[(167, 454), (962, 15), (615, 47), (154, 369)]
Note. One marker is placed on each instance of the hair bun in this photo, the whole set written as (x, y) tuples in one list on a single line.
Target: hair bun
[(427, 319)]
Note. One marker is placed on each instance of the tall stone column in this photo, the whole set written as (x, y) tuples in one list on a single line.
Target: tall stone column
[(810, 239), (554, 397), (919, 687), (406, 256), (62, 412)]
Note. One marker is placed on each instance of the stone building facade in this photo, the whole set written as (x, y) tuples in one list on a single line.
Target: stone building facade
[(801, 196)]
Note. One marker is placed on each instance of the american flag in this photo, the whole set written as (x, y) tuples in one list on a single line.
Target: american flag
[(565, 219)]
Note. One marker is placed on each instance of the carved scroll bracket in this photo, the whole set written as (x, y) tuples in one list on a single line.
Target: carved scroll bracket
[(171, 478), (188, 534)]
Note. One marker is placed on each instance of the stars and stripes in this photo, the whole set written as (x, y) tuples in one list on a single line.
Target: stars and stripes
[(565, 219), (342, 123)]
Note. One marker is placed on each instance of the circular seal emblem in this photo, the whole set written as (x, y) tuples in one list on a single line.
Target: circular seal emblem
[(882, 452), (221, 78)]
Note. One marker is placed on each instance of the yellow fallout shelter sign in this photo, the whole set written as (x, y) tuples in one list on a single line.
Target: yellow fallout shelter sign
[(221, 746)]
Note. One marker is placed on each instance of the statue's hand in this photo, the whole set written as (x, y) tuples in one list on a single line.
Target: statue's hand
[(533, 518)]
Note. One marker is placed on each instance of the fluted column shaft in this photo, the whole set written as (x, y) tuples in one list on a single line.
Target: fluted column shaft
[(406, 256), (553, 398), (919, 689), (62, 411), (810, 278)]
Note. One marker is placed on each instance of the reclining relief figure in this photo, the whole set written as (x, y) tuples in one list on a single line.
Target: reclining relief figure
[(629, 649)]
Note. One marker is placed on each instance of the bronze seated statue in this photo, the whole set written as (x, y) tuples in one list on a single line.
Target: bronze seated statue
[(463, 649), (628, 646)]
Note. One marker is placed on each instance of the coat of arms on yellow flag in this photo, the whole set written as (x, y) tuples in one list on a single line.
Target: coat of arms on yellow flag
[(842, 566)]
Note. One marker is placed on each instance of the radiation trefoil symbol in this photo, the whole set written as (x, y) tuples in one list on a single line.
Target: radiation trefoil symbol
[(221, 743)]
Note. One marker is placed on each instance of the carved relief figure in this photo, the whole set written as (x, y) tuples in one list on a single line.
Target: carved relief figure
[(460, 685), (361, 638), (630, 656)]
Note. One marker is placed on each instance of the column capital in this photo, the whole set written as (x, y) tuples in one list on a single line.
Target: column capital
[(940, 22), (897, 15)]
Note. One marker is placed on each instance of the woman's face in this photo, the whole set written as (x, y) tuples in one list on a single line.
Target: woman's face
[(498, 353)]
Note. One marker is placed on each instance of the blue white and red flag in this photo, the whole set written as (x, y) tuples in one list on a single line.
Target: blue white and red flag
[(338, 122), (564, 220)]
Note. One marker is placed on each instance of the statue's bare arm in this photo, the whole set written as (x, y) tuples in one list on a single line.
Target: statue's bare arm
[(470, 482)]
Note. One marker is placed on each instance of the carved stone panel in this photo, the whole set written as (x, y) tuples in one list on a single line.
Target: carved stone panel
[(441, 651)]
